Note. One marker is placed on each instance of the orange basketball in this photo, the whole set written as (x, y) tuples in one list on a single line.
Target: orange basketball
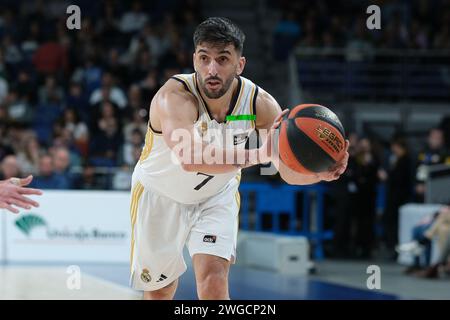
[(311, 139)]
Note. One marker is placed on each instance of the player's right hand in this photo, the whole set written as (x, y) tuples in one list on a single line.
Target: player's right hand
[(338, 169)]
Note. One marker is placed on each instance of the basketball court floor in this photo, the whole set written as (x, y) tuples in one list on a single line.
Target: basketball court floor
[(334, 280), (107, 282)]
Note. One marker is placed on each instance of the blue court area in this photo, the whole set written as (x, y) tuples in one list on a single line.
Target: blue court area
[(249, 284)]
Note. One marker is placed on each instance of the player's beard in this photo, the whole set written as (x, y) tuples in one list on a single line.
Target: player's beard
[(219, 93)]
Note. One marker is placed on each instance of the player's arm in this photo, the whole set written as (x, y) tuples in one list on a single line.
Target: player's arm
[(177, 111), (269, 118)]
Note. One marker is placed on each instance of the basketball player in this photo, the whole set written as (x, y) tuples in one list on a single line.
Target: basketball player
[(178, 203), (13, 191)]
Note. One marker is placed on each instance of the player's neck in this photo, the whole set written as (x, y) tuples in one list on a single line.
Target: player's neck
[(218, 108)]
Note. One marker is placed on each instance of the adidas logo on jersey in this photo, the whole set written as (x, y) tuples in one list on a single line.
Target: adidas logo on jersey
[(161, 278), (209, 239)]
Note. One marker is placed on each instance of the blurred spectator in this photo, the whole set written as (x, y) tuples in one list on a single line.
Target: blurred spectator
[(12, 53), (26, 86), (398, 189), (150, 85), (61, 164), (55, 7), (105, 144), (143, 62), (440, 229), (50, 57), (9, 168), (183, 60), (35, 11), (5, 144), (133, 20), (169, 72), (433, 271), (434, 153), (77, 129), (3, 68), (28, 156), (44, 119), (108, 91), (47, 178), (19, 109), (132, 148), (31, 40), (76, 99), (138, 122), (134, 99), (117, 68), (136, 105), (3, 89), (90, 181), (153, 37), (9, 26), (190, 22), (364, 209), (50, 91), (420, 246), (89, 74), (108, 27), (344, 194)]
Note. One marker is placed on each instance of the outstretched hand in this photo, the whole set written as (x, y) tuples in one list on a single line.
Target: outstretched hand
[(13, 191)]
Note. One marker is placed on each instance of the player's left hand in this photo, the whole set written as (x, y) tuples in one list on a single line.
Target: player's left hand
[(338, 169), (267, 153), (13, 192)]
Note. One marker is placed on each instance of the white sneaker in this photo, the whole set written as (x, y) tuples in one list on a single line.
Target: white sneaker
[(410, 248)]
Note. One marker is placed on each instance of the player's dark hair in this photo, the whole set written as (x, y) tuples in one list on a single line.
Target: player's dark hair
[(219, 31)]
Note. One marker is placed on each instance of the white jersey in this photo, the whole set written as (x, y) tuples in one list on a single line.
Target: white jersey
[(157, 169)]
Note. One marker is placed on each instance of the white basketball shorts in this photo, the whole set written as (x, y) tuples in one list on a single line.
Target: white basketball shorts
[(162, 227)]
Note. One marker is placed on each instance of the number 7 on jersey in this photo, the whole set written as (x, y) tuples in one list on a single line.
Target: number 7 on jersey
[(201, 184)]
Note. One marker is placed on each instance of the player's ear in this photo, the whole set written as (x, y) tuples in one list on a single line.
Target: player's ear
[(241, 65), (193, 61)]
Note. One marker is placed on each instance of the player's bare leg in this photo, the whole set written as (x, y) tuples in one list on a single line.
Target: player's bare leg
[(211, 275), (166, 293)]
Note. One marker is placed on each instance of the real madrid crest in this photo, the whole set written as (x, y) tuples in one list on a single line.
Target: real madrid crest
[(204, 127), (145, 276)]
